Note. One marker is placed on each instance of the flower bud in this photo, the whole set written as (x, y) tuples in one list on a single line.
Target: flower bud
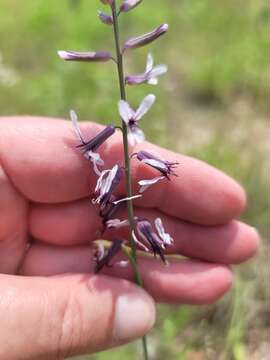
[(106, 19), (98, 140), (166, 168), (129, 5), (146, 38), (107, 2), (103, 257), (99, 56)]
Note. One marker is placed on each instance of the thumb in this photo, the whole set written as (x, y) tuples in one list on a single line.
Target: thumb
[(58, 317)]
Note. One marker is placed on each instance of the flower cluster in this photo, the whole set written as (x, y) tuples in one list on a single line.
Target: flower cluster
[(146, 236)]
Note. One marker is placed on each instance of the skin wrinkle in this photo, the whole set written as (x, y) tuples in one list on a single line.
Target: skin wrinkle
[(63, 314), (44, 315), (65, 343), (93, 285)]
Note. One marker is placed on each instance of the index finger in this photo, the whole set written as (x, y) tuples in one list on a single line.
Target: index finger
[(40, 158), (200, 193)]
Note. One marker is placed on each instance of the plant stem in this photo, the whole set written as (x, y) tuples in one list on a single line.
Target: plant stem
[(120, 68), (125, 133)]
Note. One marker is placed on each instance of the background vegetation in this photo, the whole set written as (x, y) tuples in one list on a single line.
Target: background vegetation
[(213, 104)]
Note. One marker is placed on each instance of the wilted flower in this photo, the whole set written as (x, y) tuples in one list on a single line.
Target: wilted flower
[(116, 223), (146, 39), (151, 73), (166, 168), (119, 201), (106, 19), (89, 147), (129, 4), (110, 212), (131, 117), (86, 56), (166, 238), (139, 243), (145, 184), (103, 257), (106, 184), (158, 241)]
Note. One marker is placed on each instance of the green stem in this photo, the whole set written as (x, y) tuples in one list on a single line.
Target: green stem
[(135, 269), (145, 348), (125, 133), (120, 68)]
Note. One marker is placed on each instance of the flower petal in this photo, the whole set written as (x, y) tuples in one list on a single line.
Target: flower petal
[(149, 63), (74, 119), (145, 184), (101, 180), (96, 160), (125, 110), (139, 243), (146, 104), (159, 70), (135, 136), (162, 234), (109, 180), (155, 163), (136, 79), (116, 223), (152, 81), (126, 199)]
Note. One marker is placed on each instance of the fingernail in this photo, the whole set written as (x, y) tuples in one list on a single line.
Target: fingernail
[(134, 316)]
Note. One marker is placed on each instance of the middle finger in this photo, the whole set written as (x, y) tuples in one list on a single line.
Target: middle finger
[(78, 223)]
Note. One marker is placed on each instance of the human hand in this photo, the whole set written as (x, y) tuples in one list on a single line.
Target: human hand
[(51, 304)]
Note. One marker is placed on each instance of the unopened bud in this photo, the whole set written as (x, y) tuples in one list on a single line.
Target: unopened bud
[(106, 19), (101, 56), (129, 5), (146, 38)]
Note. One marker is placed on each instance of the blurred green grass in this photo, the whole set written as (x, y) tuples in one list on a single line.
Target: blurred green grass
[(213, 105)]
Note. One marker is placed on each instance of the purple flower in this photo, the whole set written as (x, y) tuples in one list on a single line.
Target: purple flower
[(103, 257), (99, 56), (106, 184), (129, 5), (146, 39), (106, 19), (150, 76), (157, 240), (131, 118), (88, 148), (166, 168)]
